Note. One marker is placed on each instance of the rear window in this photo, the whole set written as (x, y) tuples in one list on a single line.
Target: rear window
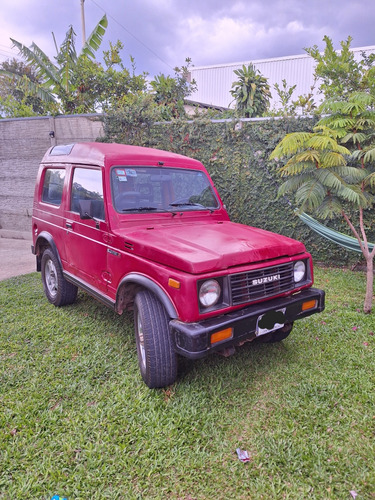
[(53, 185)]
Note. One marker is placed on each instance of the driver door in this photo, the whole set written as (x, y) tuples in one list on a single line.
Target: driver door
[(87, 228)]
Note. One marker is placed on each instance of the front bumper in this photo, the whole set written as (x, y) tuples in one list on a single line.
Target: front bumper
[(193, 340)]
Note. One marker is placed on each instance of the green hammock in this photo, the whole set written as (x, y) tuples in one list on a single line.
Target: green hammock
[(344, 240)]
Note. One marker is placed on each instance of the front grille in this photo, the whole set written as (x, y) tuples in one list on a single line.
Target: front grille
[(261, 283)]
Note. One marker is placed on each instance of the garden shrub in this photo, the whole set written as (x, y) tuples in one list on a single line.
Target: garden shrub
[(236, 154)]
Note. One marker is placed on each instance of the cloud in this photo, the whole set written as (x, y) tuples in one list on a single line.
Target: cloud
[(294, 27), (228, 39), (160, 34), (212, 40), (29, 21)]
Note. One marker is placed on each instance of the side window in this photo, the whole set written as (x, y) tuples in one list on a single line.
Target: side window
[(53, 185), (87, 193)]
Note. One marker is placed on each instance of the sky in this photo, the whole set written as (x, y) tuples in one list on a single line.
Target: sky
[(160, 34)]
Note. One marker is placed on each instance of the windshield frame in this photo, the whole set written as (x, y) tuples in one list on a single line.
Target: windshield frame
[(158, 195)]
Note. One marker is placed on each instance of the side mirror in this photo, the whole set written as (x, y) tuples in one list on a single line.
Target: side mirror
[(84, 216), (93, 210), (85, 209)]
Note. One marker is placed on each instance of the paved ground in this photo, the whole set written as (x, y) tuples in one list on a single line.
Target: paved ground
[(15, 258)]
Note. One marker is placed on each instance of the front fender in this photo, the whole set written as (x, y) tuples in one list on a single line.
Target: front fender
[(132, 283)]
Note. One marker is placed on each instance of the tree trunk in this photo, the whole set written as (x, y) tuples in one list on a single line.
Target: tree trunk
[(369, 256), (369, 284)]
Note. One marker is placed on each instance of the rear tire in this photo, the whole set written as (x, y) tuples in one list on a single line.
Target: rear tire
[(276, 335), (157, 358), (58, 291)]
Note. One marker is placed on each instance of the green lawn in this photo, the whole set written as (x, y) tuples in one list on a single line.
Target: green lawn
[(77, 420)]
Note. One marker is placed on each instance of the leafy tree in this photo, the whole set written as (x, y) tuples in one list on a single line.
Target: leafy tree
[(285, 105), (170, 92), (339, 72), (131, 121), (368, 77), (54, 81), (303, 105), (78, 83), (306, 102), (167, 96), (103, 88), (251, 92), (15, 99), (331, 171), (10, 107)]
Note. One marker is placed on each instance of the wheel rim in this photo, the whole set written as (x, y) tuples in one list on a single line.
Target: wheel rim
[(141, 341), (51, 278)]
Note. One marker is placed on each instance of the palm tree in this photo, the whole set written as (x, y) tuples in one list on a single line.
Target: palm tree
[(329, 179), (54, 81), (251, 92)]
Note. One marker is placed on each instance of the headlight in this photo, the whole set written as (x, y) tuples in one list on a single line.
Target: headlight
[(299, 271), (209, 293)]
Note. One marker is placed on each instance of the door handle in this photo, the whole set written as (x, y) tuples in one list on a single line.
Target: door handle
[(69, 225)]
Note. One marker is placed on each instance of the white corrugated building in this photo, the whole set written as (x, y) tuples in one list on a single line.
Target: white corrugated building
[(215, 82)]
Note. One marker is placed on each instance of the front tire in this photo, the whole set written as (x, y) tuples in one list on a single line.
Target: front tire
[(58, 291), (156, 357)]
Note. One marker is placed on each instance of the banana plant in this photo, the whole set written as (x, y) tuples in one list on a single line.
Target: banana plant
[(55, 79)]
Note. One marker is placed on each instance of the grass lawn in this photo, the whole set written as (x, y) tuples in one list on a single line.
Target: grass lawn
[(76, 419)]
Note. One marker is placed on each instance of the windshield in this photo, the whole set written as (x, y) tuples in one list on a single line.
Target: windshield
[(161, 189)]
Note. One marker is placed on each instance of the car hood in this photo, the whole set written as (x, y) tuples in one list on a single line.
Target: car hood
[(200, 247)]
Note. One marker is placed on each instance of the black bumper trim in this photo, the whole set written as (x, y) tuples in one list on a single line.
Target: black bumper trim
[(192, 340)]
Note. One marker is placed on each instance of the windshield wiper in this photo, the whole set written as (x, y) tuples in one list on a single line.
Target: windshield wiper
[(187, 204), (138, 209)]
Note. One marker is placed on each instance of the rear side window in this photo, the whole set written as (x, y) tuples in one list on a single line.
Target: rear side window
[(53, 186), (87, 193)]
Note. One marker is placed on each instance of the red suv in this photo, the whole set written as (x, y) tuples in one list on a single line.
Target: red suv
[(145, 229)]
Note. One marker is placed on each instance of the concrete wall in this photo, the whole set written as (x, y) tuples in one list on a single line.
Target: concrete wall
[(23, 142)]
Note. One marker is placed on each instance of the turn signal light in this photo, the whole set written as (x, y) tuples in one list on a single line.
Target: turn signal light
[(221, 335), (310, 304), (174, 283)]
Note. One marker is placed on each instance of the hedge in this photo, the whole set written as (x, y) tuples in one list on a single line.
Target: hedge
[(236, 154)]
